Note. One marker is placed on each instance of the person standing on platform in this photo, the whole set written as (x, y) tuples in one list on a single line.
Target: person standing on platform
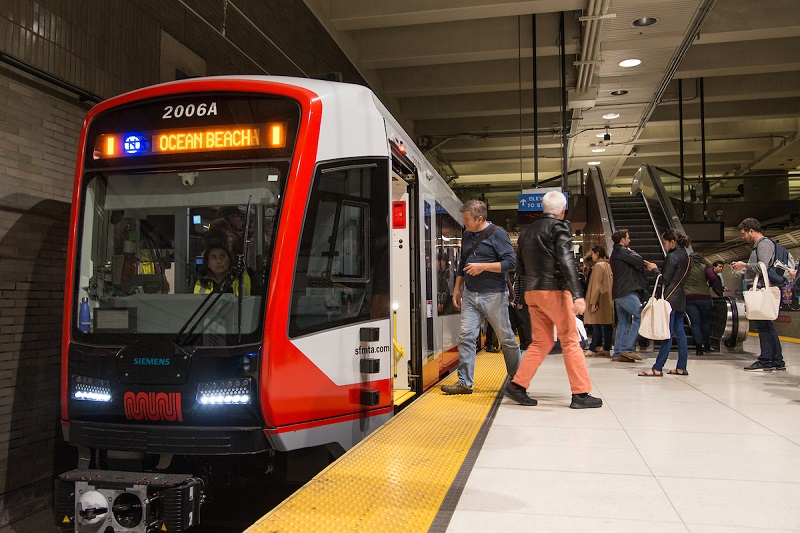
[(521, 309), (698, 301), (771, 356), (481, 292), (553, 294), (676, 272), (599, 304), (630, 285), (719, 287)]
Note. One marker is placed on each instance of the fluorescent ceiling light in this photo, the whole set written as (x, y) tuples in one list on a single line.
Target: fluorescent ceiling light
[(598, 150), (594, 163), (630, 63), (611, 116)]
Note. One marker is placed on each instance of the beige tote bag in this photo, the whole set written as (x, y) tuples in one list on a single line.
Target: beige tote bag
[(655, 316), (762, 304)]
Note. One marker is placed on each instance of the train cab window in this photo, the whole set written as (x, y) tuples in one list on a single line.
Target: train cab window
[(342, 271), (141, 251)]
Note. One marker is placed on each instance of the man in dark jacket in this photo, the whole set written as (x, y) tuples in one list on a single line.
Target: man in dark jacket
[(628, 288), (553, 294)]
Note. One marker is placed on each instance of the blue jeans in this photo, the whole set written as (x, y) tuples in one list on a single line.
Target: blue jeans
[(699, 313), (771, 351), (493, 306), (629, 316), (676, 328)]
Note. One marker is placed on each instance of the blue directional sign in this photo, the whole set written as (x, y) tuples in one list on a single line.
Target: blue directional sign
[(532, 202)]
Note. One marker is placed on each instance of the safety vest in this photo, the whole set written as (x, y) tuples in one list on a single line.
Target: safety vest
[(206, 285)]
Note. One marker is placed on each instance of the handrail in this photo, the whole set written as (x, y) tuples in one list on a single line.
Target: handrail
[(652, 189), (653, 221), (606, 218)]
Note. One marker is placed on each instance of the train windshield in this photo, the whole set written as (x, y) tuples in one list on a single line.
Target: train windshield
[(179, 254)]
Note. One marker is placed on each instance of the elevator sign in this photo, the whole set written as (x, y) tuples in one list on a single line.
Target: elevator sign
[(532, 202)]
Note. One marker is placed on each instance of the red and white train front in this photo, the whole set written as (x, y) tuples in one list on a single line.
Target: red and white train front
[(170, 351)]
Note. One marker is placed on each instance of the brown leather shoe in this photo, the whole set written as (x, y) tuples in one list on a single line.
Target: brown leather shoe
[(633, 356), (458, 388), (602, 353)]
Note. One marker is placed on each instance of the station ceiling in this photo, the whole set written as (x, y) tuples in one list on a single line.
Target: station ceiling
[(458, 74)]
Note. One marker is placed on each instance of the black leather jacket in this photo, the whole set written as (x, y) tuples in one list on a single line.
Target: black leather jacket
[(547, 261)]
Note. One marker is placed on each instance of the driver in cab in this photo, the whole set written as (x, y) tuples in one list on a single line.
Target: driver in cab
[(217, 275)]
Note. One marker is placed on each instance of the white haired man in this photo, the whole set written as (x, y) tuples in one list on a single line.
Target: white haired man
[(554, 296)]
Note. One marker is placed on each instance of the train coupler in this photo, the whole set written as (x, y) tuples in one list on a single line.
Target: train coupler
[(101, 501)]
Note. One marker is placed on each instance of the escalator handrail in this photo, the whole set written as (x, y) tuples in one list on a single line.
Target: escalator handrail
[(606, 216)]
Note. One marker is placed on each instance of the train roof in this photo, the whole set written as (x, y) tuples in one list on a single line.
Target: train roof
[(354, 122)]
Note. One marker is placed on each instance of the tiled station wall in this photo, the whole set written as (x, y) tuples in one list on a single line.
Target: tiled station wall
[(103, 48)]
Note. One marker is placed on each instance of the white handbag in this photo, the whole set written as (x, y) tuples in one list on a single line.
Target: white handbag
[(762, 304), (655, 317)]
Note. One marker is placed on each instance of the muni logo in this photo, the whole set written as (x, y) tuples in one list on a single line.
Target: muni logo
[(153, 406)]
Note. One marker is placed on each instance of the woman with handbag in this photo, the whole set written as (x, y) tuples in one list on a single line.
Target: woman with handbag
[(676, 268)]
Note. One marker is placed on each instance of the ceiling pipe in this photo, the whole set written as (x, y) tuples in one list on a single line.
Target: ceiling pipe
[(588, 30), (691, 34), (595, 44)]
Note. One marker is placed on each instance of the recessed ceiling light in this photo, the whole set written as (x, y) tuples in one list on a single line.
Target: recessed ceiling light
[(611, 116), (633, 62), (618, 92), (593, 163), (644, 21), (598, 150)]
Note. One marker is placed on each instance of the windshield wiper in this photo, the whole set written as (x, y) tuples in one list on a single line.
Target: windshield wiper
[(206, 306)]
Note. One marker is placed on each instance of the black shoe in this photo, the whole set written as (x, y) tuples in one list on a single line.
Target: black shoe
[(698, 350), (758, 365), (779, 366), (518, 394), (585, 401)]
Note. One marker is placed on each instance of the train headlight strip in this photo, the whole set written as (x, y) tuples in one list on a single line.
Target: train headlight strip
[(224, 392), (91, 389)]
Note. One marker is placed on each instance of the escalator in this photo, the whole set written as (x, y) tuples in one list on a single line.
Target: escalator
[(630, 212), (646, 212)]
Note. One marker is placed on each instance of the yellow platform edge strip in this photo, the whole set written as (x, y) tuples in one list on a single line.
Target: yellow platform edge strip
[(397, 478), (781, 337)]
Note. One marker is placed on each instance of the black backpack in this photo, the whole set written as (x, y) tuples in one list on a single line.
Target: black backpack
[(776, 273)]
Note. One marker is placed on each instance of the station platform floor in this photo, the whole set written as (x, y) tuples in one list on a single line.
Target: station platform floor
[(717, 450)]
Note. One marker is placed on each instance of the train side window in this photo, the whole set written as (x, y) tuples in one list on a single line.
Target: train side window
[(448, 254), (342, 267)]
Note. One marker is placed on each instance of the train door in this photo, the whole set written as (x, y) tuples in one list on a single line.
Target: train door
[(430, 355), (405, 366)]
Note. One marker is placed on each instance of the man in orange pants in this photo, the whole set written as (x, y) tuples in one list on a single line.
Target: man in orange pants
[(554, 296)]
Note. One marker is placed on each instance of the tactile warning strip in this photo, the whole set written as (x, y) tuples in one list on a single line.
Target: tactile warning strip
[(397, 478)]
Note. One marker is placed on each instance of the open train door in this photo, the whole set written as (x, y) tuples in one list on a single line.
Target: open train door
[(405, 289)]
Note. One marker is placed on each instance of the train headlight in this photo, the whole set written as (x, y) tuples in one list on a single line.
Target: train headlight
[(224, 392), (91, 389)]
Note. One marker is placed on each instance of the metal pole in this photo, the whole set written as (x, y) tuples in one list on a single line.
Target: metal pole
[(563, 54), (535, 107), (680, 140), (704, 183)]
